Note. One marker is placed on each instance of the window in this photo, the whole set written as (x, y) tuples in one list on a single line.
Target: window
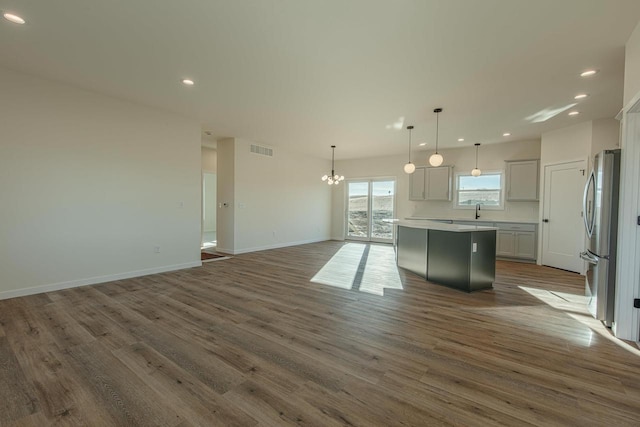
[(485, 190)]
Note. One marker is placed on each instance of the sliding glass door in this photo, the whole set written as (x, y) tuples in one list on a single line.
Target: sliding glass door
[(369, 203)]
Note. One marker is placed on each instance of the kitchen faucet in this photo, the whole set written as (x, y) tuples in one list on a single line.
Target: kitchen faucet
[(477, 210)]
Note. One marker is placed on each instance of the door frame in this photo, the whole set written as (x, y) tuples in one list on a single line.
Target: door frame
[(369, 180), (626, 322), (543, 178)]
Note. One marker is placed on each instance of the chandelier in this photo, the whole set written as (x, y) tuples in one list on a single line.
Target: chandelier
[(333, 178)]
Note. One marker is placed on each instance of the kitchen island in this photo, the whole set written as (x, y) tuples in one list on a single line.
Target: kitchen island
[(458, 256)]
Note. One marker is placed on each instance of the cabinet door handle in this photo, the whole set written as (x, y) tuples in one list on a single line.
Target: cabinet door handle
[(545, 220)]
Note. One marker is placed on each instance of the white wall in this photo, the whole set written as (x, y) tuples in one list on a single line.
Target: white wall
[(276, 201), (632, 66), (567, 144), (605, 135), (90, 185), (491, 157), (209, 160)]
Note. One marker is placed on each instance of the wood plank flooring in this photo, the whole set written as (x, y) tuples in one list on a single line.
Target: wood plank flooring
[(252, 340)]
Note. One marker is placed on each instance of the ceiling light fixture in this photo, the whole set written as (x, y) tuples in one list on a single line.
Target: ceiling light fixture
[(333, 178), (422, 144), (588, 73), (460, 139), (436, 159), (409, 167), (476, 171), (581, 96), (574, 113), (188, 82), (13, 18), (506, 134)]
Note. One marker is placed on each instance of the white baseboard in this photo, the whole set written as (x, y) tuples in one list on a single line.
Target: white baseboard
[(275, 246), (94, 280)]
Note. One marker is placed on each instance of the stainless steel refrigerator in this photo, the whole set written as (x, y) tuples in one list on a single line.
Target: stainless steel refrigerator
[(600, 212)]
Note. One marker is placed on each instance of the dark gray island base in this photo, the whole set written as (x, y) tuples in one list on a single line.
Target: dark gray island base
[(458, 256)]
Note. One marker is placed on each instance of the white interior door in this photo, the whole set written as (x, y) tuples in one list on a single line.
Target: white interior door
[(563, 232)]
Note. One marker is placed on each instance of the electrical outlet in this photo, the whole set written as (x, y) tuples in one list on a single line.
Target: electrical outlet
[(156, 249)]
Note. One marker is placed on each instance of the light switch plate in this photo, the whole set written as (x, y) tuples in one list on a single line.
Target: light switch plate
[(475, 247)]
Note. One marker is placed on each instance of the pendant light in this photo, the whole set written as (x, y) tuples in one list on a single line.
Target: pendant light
[(409, 167), (436, 159), (476, 171), (333, 179)]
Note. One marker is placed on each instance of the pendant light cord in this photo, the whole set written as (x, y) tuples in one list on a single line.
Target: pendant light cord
[(333, 153), (437, 130), (410, 128), (477, 156)]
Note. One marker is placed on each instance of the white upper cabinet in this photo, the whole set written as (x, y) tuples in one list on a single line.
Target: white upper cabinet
[(430, 183), (416, 184), (522, 179), (438, 183)]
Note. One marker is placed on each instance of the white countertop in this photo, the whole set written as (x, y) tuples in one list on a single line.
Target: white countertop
[(432, 225), (510, 221)]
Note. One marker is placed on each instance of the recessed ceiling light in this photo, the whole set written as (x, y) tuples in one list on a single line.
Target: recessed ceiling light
[(574, 113), (506, 134), (13, 18), (188, 82), (588, 73), (581, 96), (422, 144), (460, 139)]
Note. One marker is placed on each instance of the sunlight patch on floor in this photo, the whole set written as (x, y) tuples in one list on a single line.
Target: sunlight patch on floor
[(361, 267), (576, 308)]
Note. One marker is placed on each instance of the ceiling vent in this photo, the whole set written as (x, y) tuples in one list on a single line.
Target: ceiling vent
[(263, 151)]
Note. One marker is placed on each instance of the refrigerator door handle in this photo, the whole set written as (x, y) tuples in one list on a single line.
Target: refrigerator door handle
[(589, 258), (588, 216)]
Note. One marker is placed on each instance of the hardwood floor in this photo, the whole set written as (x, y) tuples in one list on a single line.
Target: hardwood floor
[(254, 341)]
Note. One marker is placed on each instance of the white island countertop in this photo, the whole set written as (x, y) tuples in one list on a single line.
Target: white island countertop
[(433, 225), (505, 221)]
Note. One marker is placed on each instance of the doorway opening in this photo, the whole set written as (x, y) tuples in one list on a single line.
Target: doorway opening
[(370, 202)]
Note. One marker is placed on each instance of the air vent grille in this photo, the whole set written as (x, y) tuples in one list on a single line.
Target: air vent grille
[(263, 151)]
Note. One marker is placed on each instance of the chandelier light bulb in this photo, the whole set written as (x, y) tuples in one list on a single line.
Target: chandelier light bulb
[(409, 168), (324, 178), (436, 160)]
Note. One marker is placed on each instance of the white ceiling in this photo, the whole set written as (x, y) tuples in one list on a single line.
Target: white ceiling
[(308, 74)]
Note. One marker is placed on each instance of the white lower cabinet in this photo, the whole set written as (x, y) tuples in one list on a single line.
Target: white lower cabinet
[(516, 241)]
